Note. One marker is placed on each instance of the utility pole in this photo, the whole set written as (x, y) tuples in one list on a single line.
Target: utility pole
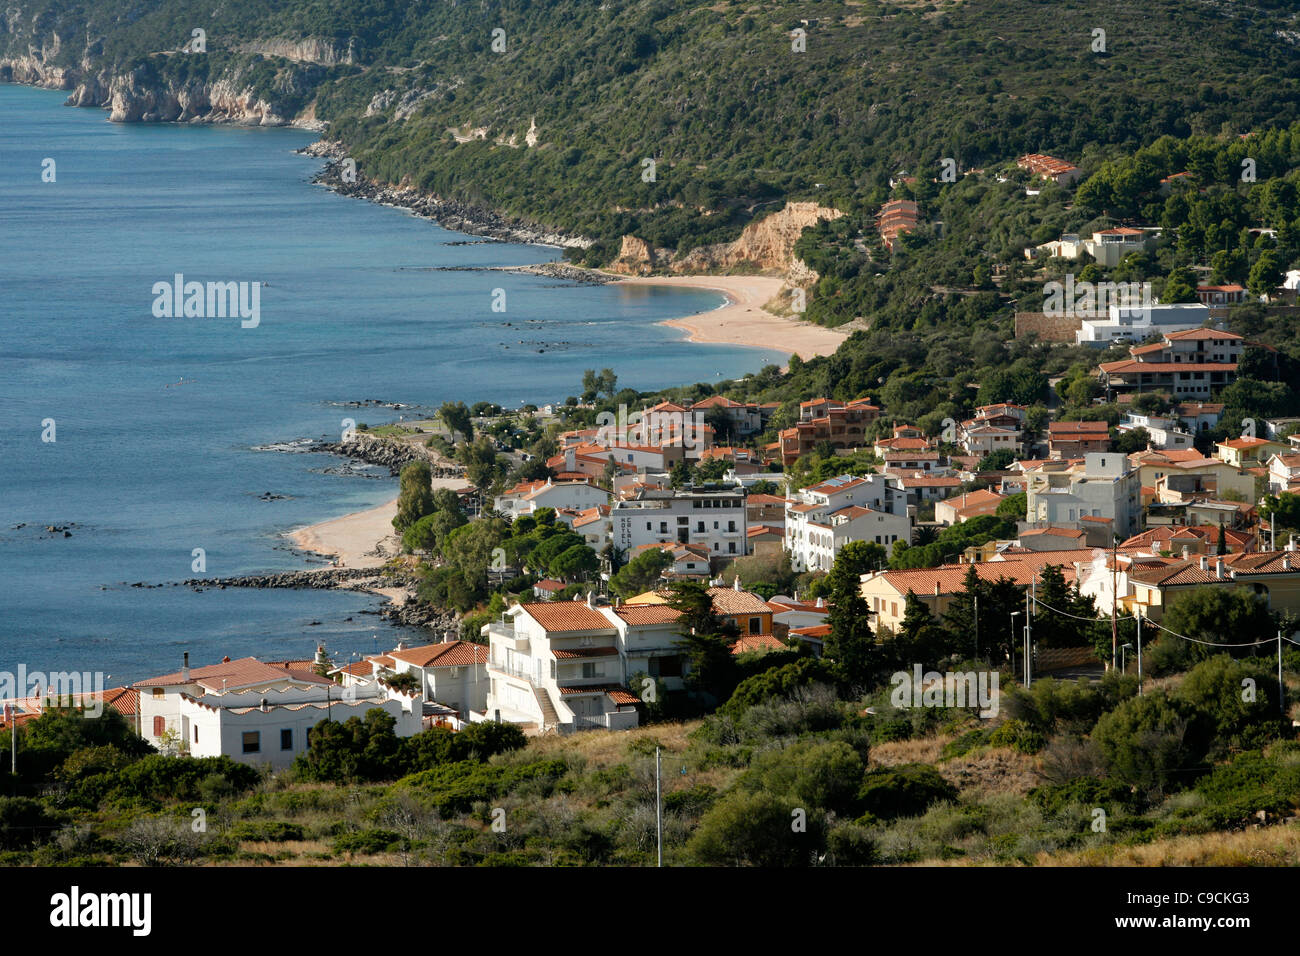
[(1029, 672), (1138, 616), (1114, 600), (659, 809), (977, 627), (1281, 688)]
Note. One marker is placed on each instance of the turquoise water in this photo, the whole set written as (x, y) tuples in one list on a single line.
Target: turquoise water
[(353, 306)]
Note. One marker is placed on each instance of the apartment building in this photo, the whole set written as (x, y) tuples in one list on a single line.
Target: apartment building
[(841, 424), (1102, 488), (711, 516), (821, 519)]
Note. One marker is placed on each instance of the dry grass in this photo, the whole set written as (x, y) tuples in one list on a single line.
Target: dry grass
[(1265, 846), (919, 750), (991, 771), (605, 748)]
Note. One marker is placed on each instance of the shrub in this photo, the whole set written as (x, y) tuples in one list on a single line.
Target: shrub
[(754, 829), (904, 790)]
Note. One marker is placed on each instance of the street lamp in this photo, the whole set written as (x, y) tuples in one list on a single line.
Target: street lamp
[(1012, 645), (1123, 658)]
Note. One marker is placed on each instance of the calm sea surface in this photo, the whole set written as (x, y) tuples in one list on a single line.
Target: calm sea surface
[(354, 305)]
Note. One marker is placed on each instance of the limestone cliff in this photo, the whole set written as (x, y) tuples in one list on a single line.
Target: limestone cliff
[(766, 244)]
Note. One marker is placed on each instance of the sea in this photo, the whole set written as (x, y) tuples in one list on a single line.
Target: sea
[(149, 440)]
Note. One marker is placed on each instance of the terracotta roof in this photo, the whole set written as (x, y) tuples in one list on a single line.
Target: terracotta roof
[(1100, 428), (237, 673), (729, 601), (765, 500), (446, 654), (1202, 334), (816, 630), (1129, 365), (1055, 532), (932, 481), (758, 642), (566, 616), (547, 584), (636, 614), (759, 531), (1243, 443)]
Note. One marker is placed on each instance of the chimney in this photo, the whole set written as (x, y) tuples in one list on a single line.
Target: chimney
[(735, 584), (185, 668), (936, 589), (265, 708), (1186, 552), (1286, 561), (1218, 567), (821, 602), (591, 600), (1205, 563)]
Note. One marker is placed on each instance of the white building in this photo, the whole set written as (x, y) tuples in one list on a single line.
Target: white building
[(1103, 488), (709, 516), (453, 673), (527, 497), (558, 665), (1139, 322), (821, 519), (257, 713), (1164, 432)]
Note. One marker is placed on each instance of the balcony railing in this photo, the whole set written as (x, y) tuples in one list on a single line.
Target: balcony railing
[(527, 673)]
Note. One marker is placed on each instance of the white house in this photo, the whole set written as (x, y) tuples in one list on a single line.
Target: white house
[(557, 665), (1284, 473), (1163, 431), (453, 673), (257, 713), (1139, 322), (527, 497), (712, 517), (821, 519)]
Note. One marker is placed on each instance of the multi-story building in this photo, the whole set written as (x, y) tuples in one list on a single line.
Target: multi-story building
[(1137, 322), (1072, 439), (1162, 431), (823, 518), (557, 665), (1192, 363), (841, 424), (1103, 488), (712, 516)]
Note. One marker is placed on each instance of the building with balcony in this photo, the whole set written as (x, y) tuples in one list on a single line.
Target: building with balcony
[(709, 516), (1102, 488), (557, 665), (842, 424), (823, 518)]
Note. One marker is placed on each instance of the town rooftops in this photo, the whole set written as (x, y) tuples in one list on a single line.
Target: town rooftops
[(1093, 429), (643, 614)]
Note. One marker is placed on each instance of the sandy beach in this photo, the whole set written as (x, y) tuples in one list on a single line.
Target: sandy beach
[(363, 539), (743, 320)]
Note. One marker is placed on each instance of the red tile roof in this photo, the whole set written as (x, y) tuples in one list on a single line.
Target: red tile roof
[(566, 616), (446, 654)]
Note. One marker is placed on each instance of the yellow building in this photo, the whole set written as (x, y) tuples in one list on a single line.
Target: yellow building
[(1152, 585), (1249, 452)]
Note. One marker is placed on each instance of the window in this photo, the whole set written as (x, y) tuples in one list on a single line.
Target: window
[(159, 726), (715, 526), (158, 692), (589, 670), (731, 526), (731, 547), (552, 670), (286, 739), (755, 625), (699, 527), (196, 733), (647, 525), (252, 741)]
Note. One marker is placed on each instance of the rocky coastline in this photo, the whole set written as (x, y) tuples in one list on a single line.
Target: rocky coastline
[(448, 213)]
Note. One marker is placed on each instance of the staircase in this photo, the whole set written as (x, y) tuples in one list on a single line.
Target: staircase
[(550, 719)]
